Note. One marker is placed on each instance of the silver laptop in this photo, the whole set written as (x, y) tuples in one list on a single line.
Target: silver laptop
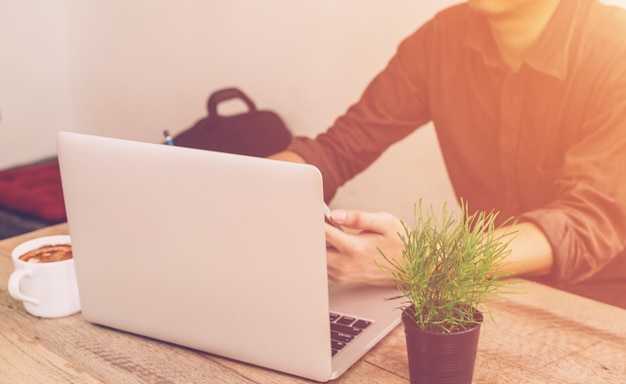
[(217, 252)]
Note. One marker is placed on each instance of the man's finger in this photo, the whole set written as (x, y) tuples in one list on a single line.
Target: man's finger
[(378, 222)]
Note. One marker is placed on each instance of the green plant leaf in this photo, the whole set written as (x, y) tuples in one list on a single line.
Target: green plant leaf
[(447, 269)]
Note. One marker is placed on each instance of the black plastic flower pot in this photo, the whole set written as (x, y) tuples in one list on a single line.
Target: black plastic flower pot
[(441, 358)]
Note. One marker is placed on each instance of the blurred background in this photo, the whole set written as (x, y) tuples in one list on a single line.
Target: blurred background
[(132, 69)]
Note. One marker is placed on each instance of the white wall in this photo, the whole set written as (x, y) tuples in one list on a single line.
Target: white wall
[(35, 97), (141, 66), (621, 3)]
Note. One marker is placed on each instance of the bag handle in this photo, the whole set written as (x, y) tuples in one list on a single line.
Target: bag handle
[(227, 94)]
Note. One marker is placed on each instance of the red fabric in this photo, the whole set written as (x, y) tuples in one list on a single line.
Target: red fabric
[(34, 190)]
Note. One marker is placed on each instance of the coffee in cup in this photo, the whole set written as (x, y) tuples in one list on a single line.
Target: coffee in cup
[(48, 253), (44, 278)]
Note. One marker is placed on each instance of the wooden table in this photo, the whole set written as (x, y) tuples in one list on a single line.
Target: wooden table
[(541, 336)]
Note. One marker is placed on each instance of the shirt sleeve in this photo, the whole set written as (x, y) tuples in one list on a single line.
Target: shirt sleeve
[(392, 106), (586, 222)]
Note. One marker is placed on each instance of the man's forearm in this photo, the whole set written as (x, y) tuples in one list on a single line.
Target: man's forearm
[(531, 253)]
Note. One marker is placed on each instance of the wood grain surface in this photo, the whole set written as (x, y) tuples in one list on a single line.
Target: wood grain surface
[(540, 335)]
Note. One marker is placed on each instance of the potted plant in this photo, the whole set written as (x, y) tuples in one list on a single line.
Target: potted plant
[(446, 272)]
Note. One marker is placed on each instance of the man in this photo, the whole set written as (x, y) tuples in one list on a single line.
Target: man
[(528, 99)]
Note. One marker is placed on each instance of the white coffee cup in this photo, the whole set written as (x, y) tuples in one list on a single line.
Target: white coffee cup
[(47, 289)]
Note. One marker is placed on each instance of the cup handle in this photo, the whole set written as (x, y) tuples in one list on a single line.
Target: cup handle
[(14, 286)]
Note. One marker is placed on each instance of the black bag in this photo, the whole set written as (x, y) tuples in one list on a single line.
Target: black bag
[(255, 133)]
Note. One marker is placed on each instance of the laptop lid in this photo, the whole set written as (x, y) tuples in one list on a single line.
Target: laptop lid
[(218, 252)]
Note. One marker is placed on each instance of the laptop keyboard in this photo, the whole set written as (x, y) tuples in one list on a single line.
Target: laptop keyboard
[(344, 329)]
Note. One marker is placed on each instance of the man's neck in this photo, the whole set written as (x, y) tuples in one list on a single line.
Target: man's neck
[(516, 33)]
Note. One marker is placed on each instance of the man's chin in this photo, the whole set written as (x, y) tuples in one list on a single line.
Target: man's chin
[(484, 7)]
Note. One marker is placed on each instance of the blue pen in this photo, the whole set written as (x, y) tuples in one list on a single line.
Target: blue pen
[(168, 138)]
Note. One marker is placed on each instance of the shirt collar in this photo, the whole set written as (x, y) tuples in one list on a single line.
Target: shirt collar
[(549, 55)]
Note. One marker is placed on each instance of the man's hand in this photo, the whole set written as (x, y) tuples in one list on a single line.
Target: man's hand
[(287, 156), (351, 254)]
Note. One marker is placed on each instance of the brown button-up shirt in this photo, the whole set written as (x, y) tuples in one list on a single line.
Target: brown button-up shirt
[(546, 143)]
